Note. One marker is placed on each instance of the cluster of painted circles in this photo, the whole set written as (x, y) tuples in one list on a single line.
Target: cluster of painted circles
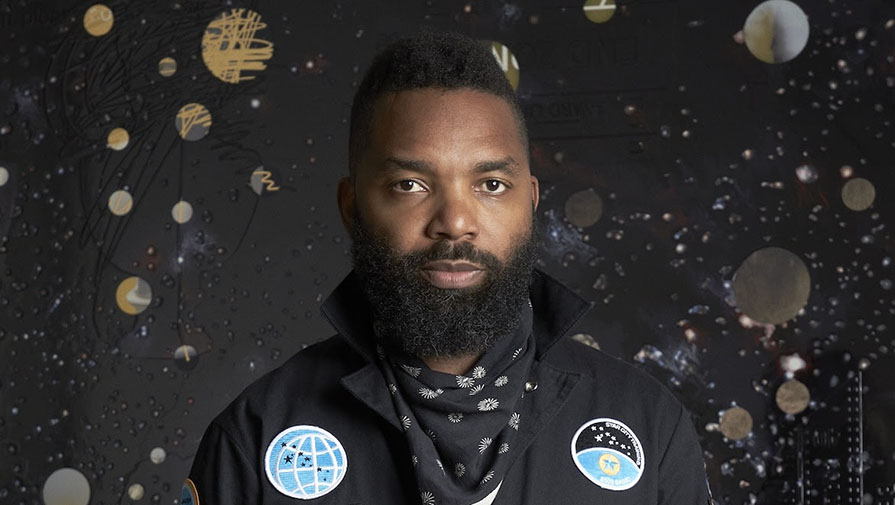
[(121, 202), (792, 397), (68, 486)]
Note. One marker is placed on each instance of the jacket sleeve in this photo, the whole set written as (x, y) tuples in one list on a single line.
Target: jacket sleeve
[(221, 472), (682, 479)]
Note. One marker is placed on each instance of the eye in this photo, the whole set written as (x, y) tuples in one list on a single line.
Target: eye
[(408, 186), (494, 186)]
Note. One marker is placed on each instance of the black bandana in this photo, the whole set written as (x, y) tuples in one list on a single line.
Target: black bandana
[(462, 429)]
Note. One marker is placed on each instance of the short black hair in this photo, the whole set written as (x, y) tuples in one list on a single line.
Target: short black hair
[(428, 59)]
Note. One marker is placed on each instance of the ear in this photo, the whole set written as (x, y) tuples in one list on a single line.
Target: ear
[(535, 192), (346, 199)]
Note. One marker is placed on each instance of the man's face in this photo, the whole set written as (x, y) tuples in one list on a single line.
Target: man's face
[(445, 194)]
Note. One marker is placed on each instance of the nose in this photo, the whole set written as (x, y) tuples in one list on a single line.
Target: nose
[(453, 218)]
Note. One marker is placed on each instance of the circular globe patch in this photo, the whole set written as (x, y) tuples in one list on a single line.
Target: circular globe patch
[(305, 462), (608, 453)]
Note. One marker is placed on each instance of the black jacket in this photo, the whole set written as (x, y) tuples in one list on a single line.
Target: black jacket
[(335, 390)]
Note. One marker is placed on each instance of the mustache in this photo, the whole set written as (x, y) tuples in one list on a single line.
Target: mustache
[(445, 250)]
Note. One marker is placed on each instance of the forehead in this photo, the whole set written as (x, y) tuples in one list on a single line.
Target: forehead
[(440, 124)]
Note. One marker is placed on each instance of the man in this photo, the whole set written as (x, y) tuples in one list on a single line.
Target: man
[(450, 380)]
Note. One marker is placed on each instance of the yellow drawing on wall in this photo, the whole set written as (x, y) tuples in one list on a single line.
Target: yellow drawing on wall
[(193, 121), (262, 179), (229, 46), (507, 61)]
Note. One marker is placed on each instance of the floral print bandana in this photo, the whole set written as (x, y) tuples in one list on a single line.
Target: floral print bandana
[(461, 429)]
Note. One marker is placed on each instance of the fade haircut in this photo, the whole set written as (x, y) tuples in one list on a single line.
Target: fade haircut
[(429, 59)]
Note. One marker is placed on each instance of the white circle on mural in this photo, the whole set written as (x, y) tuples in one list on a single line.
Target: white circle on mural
[(120, 202), (157, 455), (66, 486), (776, 31), (182, 212), (4, 176), (135, 492)]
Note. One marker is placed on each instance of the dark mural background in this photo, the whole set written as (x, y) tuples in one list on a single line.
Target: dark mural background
[(729, 218)]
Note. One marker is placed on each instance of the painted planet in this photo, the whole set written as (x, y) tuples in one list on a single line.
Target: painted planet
[(776, 31), (120, 202), (98, 20), (599, 11), (133, 295), (772, 285), (736, 423), (858, 194), (167, 66), (793, 397), (66, 486), (117, 139)]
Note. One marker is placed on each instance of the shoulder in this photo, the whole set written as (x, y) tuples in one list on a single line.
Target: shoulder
[(601, 372), (310, 377)]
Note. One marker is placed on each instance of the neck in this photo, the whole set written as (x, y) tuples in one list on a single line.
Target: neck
[(454, 365)]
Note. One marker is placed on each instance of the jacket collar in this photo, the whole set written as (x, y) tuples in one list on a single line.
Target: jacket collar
[(556, 308)]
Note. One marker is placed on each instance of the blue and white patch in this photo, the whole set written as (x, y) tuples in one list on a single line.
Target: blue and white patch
[(305, 462), (608, 453)]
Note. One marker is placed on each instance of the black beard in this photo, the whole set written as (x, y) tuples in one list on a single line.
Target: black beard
[(411, 316)]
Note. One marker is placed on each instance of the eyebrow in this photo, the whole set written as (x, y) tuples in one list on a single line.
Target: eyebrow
[(508, 166)]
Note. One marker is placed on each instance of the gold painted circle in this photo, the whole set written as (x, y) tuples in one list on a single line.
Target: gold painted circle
[(133, 295), (584, 208), (599, 11), (167, 66), (507, 62), (858, 194), (736, 423), (120, 202), (98, 20), (193, 122), (776, 31), (117, 139), (230, 48), (772, 285), (182, 212), (793, 397)]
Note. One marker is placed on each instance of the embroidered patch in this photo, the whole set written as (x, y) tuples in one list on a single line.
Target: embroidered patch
[(608, 453), (305, 462), (188, 493)]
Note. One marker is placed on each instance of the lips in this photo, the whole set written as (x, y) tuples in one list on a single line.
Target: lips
[(452, 274), (451, 266)]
